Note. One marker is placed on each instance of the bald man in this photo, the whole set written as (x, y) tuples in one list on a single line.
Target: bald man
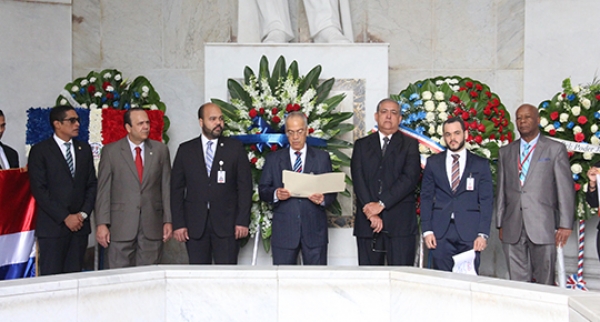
[(535, 200)]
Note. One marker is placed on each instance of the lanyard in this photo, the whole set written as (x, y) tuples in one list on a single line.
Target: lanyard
[(526, 157)]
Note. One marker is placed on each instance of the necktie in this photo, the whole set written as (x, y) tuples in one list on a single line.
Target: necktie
[(455, 172), (138, 163), (524, 163), (386, 142), (70, 158), (208, 158), (298, 162)]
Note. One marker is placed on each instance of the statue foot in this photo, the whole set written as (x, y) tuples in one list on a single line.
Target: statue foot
[(276, 36), (331, 35)]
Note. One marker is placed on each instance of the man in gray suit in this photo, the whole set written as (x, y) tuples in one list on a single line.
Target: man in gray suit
[(133, 208), (535, 201)]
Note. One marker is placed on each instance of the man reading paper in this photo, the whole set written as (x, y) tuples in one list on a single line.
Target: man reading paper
[(299, 224)]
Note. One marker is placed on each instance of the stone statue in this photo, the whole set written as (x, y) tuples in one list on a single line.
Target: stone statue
[(275, 26)]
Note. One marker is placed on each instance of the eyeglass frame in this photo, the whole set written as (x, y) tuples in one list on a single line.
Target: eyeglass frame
[(71, 120)]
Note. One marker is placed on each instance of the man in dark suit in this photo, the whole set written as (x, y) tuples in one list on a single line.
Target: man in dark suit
[(133, 213), (63, 183), (211, 192), (299, 224), (9, 158), (535, 200), (385, 171), (592, 197), (457, 197)]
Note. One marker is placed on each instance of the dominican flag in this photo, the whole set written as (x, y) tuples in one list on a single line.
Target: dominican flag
[(17, 224)]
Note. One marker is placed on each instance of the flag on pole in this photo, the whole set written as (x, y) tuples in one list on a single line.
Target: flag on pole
[(17, 224)]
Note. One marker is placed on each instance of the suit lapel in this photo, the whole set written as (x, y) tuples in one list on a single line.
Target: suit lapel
[(394, 145), (309, 161), (55, 149), (463, 179), (79, 157), (285, 160), (149, 162), (540, 147), (127, 156)]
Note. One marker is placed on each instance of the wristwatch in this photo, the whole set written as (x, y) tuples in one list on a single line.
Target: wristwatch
[(381, 204)]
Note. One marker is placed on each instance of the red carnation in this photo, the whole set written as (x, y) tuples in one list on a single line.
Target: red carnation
[(478, 87), (487, 111), (253, 113), (261, 111), (91, 89), (510, 138), (289, 108), (577, 186), (276, 119), (110, 95), (564, 95), (473, 125), (552, 132), (297, 107), (311, 130), (274, 110), (500, 128), (501, 113), (418, 211), (105, 85), (481, 128), (465, 116), (582, 120), (570, 153), (469, 84), (495, 102), (492, 136), (598, 97), (254, 160), (554, 115), (504, 122), (253, 147), (473, 94), (579, 137), (454, 99), (478, 139), (273, 147), (488, 94), (469, 137), (473, 111), (461, 89), (502, 137)]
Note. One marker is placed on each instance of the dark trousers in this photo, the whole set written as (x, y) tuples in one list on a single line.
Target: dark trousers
[(61, 254), (310, 256), (449, 245), (223, 250), (399, 251)]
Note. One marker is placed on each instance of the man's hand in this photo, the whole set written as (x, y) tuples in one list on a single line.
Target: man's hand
[(372, 209), (479, 244), (103, 235), (562, 235), (74, 222), (317, 198), (500, 234), (181, 235), (376, 223), (283, 194), (430, 241), (241, 232), (167, 231)]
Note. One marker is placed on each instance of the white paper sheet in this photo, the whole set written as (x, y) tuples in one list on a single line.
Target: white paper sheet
[(464, 263), (302, 185)]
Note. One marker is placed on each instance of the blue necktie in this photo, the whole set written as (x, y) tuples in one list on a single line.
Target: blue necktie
[(298, 163), (209, 156), (524, 163), (70, 158)]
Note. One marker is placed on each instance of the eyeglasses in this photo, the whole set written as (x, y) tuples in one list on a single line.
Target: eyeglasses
[(376, 241), (73, 120)]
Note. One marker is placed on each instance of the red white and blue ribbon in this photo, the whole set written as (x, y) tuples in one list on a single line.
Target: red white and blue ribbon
[(576, 281)]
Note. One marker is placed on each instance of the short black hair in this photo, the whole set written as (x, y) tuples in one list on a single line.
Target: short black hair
[(387, 100), (454, 120), (127, 115), (58, 113), (1, 113)]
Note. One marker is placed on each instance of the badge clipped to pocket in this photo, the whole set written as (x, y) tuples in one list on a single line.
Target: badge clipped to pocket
[(470, 183), (221, 174)]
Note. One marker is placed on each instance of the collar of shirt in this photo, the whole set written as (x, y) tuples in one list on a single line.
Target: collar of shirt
[(462, 162), (381, 136), (302, 156), (531, 143), (205, 140), (4, 160), (132, 147)]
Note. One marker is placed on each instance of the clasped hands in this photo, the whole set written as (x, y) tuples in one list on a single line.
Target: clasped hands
[(372, 211), (103, 234), (74, 221), (284, 194), (479, 244)]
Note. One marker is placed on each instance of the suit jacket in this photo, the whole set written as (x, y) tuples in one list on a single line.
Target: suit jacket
[(472, 208), (11, 155), (56, 192), (592, 196), (296, 219), (399, 171), (192, 189), (545, 202), (123, 203)]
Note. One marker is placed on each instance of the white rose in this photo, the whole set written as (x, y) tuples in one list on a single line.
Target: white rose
[(145, 89), (153, 107), (431, 130), (63, 102), (423, 149), (440, 130), (594, 140), (443, 116), (109, 88), (74, 88), (586, 103), (576, 168), (442, 107), (576, 110), (118, 77), (107, 75), (145, 94), (439, 82), (455, 88), (84, 82), (577, 129), (487, 153), (559, 98), (439, 95), (563, 117), (543, 122), (588, 155), (549, 127), (576, 89), (453, 81), (429, 106), (104, 105), (430, 117), (560, 129), (443, 142), (426, 95), (93, 106), (594, 128), (98, 94)]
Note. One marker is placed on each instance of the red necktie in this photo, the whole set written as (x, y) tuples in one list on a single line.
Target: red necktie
[(138, 162)]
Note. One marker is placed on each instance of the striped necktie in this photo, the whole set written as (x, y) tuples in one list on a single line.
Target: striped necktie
[(524, 163), (298, 163), (455, 172), (208, 159), (69, 157), (386, 143)]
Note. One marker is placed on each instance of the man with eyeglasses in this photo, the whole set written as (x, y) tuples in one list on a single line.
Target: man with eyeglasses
[(299, 224), (63, 183), (385, 170)]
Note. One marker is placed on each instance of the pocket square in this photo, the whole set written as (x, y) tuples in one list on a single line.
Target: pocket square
[(544, 160)]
